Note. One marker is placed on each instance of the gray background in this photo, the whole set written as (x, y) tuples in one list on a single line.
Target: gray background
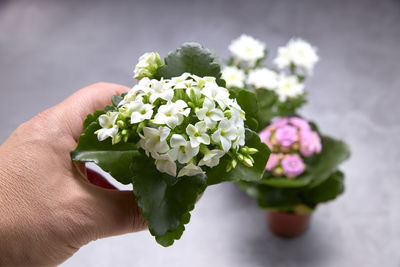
[(49, 49)]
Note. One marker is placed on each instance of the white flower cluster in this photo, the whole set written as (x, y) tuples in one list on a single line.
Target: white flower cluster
[(285, 86), (298, 53), (247, 50), (184, 123), (294, 61)]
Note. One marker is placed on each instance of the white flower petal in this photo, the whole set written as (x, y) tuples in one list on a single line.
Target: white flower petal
[(190, 170)]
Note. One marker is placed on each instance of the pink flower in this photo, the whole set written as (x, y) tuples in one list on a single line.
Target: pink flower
[(317, 142), (300, 123), (310, 143), (292, 165), (286, 135), (272, 162), (279, 123), (264, 136)]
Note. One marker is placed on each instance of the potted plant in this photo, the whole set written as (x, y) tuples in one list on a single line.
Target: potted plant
[(303, 168), (173, 134)]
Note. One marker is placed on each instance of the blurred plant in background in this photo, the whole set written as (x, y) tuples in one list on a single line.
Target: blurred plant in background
[(302, 170)]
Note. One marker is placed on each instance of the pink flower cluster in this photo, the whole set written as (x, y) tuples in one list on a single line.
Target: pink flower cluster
[(290, 139)]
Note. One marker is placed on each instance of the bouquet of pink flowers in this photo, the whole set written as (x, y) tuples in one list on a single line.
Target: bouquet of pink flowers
[(290, 140)]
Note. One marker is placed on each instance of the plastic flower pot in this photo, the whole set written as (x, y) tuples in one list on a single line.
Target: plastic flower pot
[(98, 179), (286, 224)]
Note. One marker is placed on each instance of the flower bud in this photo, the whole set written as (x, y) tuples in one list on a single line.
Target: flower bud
[(234, 163), (117, 139), (247, 162), (240, 157), (229, 166), (251, 150), (121, 124), (227, 113), (124, 132), (148, 65)]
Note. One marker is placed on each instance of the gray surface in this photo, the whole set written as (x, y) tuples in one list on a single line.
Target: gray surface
[(49, 49)]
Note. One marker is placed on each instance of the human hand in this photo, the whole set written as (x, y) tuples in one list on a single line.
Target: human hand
[(48, 208)]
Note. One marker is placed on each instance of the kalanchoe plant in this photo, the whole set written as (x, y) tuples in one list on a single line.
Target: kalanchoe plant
[(302, 170), (173, 134), (279, 89)]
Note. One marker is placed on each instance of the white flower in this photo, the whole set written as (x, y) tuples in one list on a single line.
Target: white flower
[(157, 90), (154, 140), (246, 49), (289, 87), (109, 129), (211, 157), (233, 76), (216, 93), (172, 113), (225, 133), (298, 52), (235, 108), (178, 79), (209, 113), (201, 81), (240, 139), (198, 134), (263, 78), (138, 111), (147, 65), (190, 170), (283, 58), (181, 149), (164, 164), (190, 86)]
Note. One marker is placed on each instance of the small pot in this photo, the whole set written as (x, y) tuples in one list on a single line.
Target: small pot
[(286, 224)]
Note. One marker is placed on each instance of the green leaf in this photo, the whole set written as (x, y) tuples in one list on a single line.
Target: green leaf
[(248, 102), (290, 106), (266, 100), (114, 159), (164, 204), (326, 191), (286, 199), (116, 99), (269, 197), (218, 174), (333, 153), (192, 58)]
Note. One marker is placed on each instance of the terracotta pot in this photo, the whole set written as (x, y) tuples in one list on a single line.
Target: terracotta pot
[(287, 224)]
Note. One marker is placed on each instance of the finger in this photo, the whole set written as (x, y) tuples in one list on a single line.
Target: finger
[(75, 108), (115, 212)]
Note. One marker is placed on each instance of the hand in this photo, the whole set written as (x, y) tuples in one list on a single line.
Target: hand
[(48, 208)]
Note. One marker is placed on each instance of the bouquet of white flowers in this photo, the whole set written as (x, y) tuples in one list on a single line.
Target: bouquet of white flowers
[(173, 134)]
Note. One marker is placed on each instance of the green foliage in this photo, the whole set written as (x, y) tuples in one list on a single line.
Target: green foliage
[(192, 58), (218, 174), (165, 202), (248, 102), (285, 199), (266, 100), (327, 190), (290, 106)]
